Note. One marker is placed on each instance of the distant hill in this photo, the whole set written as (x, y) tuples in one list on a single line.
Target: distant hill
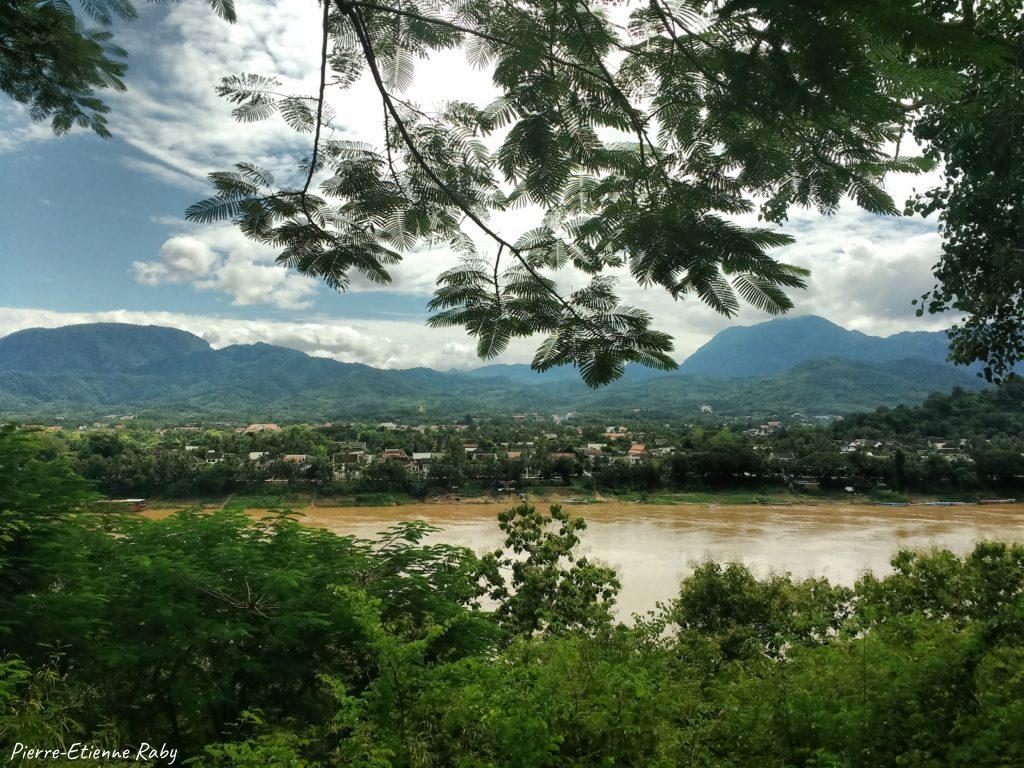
[(96, 347), (777, 345), (149, 370)]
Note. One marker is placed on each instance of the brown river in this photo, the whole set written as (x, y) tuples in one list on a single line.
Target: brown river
[(653, 547)]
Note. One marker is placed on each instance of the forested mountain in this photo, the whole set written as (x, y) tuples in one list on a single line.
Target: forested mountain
[(771, 348), (778, 345), (821, 386), (988, 413), (96, 348), (91, 368)]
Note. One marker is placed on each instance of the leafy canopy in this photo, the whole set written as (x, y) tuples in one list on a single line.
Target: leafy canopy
[(54, 64), (39, 490), (550, 588), (646, 133), (978, 135)]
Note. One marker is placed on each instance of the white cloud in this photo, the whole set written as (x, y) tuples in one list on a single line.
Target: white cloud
[(240, 273), (17, 128), (867, 282), (183, 260), (252, 283), (149, 272)]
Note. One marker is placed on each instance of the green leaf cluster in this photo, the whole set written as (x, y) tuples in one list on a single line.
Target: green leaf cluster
[(977, 134), (57, 66)]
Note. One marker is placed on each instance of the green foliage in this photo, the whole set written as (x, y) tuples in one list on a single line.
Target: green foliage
[(38, 490), (272, 749), (229, 615), (55, 65), (977, 136), (641, 132), (985, 414), (550, 589), (908, 686), (746, 617)]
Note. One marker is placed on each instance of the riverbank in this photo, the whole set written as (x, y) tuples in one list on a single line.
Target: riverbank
[(298, 500)]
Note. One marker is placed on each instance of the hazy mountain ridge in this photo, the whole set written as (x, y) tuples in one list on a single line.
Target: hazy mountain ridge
[(153, 369)]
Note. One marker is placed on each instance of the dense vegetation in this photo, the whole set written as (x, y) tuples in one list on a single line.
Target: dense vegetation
[(987, 414), (980, 273), (263, 644)]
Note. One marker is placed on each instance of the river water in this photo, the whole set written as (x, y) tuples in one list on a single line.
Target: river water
[(653, 547)]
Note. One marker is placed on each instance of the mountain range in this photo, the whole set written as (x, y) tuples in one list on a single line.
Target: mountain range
[(805, 364), (776, 346)]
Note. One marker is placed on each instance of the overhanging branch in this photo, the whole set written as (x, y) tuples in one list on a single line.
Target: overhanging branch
[(350, 9)]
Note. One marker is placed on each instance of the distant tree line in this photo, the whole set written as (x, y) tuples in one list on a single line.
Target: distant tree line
[(962, 442)]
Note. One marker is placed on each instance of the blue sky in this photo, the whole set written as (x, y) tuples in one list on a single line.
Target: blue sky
[(79, 214), (94, 230)]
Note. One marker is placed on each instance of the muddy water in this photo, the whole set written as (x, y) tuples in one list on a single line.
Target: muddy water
[(653, 547)]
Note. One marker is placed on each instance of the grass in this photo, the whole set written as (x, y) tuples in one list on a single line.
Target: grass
[(268, 501), (286, 500), (882, 494)]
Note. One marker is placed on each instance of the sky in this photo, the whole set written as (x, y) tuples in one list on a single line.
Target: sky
[(94, 230)]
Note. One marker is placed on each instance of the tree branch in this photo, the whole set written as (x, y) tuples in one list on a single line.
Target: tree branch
[(350, 10), (638, 126), (319, 114), (669, 22)]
